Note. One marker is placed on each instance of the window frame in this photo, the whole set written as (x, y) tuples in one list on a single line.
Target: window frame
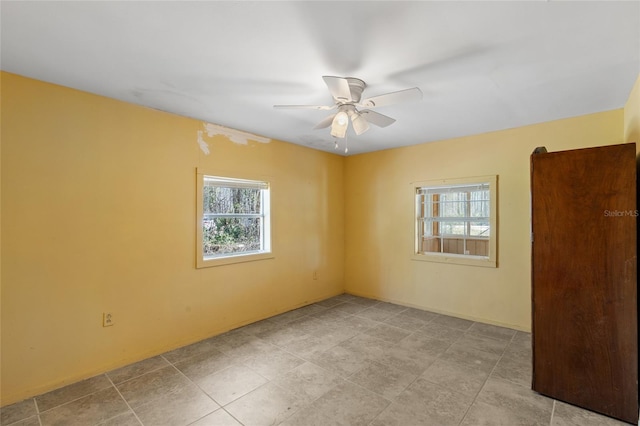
[(463, 259), (262, 183)]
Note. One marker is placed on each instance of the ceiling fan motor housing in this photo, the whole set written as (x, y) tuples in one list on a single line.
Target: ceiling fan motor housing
[(356, 86)]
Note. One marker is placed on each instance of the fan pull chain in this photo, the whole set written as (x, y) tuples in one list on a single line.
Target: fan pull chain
[(346, 144), (335, 141)]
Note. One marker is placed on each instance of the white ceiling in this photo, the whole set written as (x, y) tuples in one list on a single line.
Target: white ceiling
[(482, 66)]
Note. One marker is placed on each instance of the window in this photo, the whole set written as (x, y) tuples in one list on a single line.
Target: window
[(455, 221), (233, 220)]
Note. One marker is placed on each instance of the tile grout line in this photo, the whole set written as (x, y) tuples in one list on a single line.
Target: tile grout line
[(553, 411), (346, 380), (37, 411), (306, 404), (487, 379), (198, 386), (319, 366), (221, 407), (35, 401), (435, 360), (125, 401), (157, 397), (139, 375), (72, 400), (343, 379), (411, 383)]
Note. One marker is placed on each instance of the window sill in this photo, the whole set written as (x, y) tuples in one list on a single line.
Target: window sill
[(230, 260), (456, 259)]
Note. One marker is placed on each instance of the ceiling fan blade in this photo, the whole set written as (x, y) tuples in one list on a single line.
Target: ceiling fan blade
[(376, 118), (325, 123), (319, 107), (413, 94), (360, 124), (339, 88)]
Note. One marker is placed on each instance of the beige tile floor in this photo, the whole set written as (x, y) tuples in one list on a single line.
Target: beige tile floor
[(342, 361)]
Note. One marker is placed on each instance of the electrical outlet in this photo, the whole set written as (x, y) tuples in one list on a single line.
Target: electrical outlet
[(107, 319)]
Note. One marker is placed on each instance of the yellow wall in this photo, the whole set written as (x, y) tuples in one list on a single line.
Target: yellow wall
[(632, 116), (379, 218), (98, 214)]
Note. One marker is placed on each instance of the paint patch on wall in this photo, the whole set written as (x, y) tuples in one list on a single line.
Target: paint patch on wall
[(203, 145), (236, 136)]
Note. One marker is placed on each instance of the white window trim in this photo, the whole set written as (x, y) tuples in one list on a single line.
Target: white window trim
[(267, 253), (460, 259)]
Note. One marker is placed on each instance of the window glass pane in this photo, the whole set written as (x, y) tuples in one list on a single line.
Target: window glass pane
[(452, 228), (220, 199), (452, 204), (427, 228), (479, 203), (231, 235), (480, 229)]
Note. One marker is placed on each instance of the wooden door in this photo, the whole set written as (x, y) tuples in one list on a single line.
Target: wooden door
[(585, 341)]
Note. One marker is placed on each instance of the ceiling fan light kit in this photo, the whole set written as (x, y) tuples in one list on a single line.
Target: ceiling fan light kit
[(347, 96), (339, 124)]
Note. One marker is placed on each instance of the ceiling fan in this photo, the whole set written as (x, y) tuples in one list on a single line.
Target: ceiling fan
[(347, 94)]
